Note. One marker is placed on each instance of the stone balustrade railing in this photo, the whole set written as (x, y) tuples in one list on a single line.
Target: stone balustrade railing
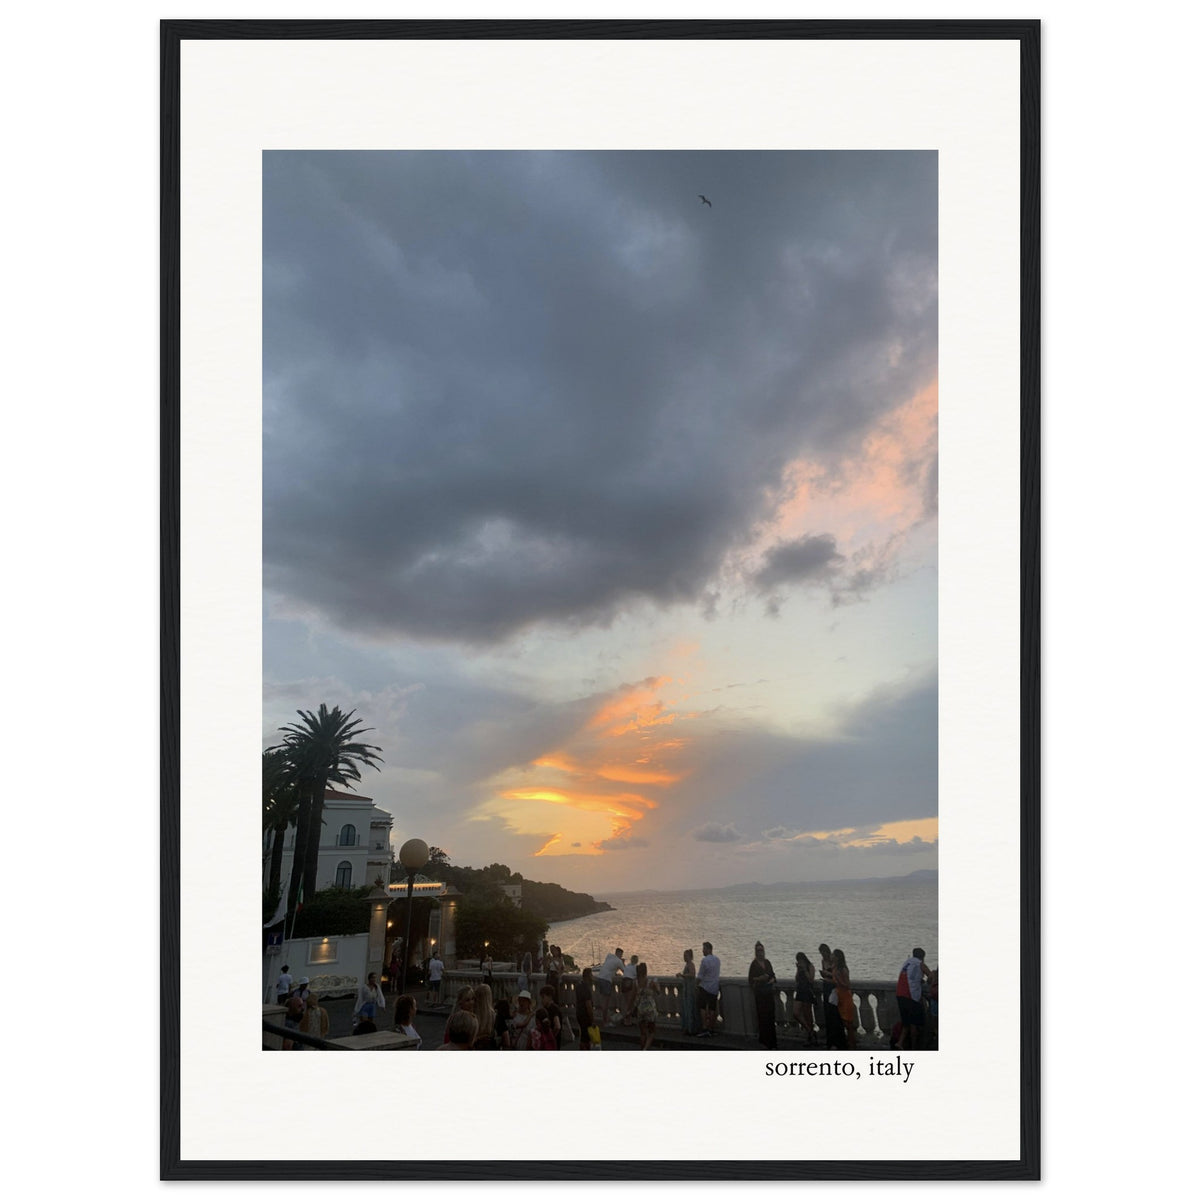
[(874, 1001)]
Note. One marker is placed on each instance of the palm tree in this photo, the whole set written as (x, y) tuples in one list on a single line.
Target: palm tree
[(322, 749), (281, 801)]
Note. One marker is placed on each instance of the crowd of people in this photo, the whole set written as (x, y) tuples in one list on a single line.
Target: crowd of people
[(478, 1021), (822, 997), (302, 1009)]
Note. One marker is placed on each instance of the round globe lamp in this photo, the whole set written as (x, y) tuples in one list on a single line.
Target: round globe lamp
[(414, 854)]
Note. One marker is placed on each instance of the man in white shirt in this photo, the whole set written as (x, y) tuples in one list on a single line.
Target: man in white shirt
[(708, 986), (435, 979), (913, 972), (604, 976), (283, 985)]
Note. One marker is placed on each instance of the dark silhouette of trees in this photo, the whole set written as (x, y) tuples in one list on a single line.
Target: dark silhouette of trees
[(322, 748), (281, 800)]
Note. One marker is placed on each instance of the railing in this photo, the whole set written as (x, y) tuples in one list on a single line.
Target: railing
[(874, 1001), (275, 1033)]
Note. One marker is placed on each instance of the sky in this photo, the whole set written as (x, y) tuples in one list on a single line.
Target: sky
[(612, 513)]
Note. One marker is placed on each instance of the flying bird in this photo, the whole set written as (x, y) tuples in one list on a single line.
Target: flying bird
[(706, 200)]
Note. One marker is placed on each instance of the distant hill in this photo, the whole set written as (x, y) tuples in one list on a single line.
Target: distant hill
[(550, 901), (555, 903)]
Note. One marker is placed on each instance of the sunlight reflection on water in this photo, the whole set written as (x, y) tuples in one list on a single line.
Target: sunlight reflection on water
[(876, 923)]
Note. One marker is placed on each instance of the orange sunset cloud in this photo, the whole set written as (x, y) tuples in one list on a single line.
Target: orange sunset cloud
[(879, 490), (599, 781)]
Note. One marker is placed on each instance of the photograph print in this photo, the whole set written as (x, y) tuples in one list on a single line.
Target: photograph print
[(600, 599)]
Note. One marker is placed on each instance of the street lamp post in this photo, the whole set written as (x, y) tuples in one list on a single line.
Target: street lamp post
[(414, 854)]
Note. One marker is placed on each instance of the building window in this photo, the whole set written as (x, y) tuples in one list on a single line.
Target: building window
[(348, 836), (344, 871)]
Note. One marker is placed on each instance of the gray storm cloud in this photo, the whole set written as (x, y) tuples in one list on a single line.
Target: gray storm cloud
[(507, 388), (621, 843), (714, 832), (882, 764), (802, 560)]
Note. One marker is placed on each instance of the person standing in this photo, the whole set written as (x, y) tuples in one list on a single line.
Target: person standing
[(522, 1025), (606, 973), (554, 969), (435, 978), (370, 999), (835, 1031), (464, 1002), (406, 1011), (762, 984), (283, 986), (909, 999), (485, 1014), (689, 1006), (628, 988), (933, 1008), (802, 1003), (525, 975), (293, 1014), (645, 1006), (395, 983), (315, 1021), (708, 987), (845, 999), (542, 1037), (585, 1013), (554, 1014)]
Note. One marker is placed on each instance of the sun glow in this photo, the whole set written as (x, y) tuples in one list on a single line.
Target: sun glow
[(606, 777)]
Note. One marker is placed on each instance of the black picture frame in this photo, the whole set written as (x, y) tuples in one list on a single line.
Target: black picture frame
[(1026, 34)]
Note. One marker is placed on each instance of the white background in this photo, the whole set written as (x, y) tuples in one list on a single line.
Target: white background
[(956, 96), (80, 486)]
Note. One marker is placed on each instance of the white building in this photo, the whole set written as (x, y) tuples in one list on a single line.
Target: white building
[(356, 842)]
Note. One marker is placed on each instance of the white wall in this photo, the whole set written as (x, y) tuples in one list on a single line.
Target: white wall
[(366, 861), (305, 957)]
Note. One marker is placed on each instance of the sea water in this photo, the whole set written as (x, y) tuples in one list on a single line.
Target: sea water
[(875, 922)]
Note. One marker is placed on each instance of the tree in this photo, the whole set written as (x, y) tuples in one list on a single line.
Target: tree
[(322, 748), (507, 930), (281, 799), (334, 912)]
